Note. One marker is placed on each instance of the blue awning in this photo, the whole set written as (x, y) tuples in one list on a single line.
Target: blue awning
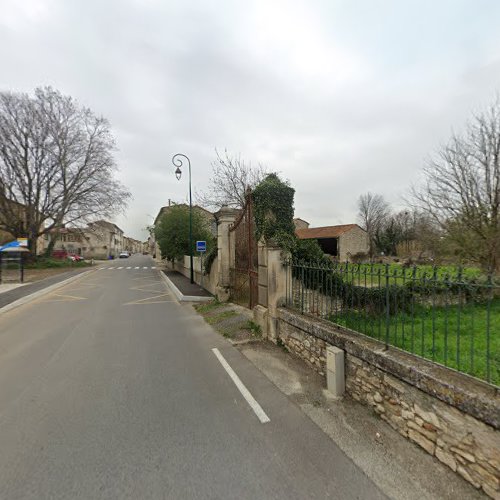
[(11, 244)]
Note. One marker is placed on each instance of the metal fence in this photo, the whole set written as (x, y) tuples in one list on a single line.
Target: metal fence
[(451, 318)]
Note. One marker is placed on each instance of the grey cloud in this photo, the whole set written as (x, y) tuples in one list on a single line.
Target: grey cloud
[(191, 76)]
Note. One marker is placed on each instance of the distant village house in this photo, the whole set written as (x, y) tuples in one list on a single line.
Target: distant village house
[(341, 242)]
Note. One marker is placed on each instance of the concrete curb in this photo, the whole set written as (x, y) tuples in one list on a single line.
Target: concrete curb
[(178, 294), (43, 291)]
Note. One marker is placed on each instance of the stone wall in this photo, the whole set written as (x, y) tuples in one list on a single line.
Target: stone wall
[(352, 242), (449, 415), (311, 349)]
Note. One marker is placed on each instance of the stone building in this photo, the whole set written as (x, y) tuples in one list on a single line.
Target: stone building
[(70, 239), (341, 242), (132, 245), (105, 239), (300, 223)]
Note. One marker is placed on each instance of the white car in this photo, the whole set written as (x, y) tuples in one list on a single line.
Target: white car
[(124, 255)]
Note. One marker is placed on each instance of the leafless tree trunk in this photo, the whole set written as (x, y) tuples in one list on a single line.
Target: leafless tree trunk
[(462, 189), (56, 164), (231, 177), (373, 211)]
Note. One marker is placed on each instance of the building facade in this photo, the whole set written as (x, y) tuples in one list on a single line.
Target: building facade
[(341, 242)]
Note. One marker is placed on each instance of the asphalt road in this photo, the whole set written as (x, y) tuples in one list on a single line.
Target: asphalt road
[(110, 389)]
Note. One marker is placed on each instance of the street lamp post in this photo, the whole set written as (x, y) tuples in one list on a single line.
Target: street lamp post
[(178, 161)]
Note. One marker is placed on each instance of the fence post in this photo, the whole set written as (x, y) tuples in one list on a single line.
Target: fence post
[(225, 217)]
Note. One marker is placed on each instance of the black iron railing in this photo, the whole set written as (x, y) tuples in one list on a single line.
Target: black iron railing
[(449, 317)]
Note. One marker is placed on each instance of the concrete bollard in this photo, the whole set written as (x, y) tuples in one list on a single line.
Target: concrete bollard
[(335, 377)]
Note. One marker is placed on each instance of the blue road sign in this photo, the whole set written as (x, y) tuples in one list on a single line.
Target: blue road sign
[(201, 246)]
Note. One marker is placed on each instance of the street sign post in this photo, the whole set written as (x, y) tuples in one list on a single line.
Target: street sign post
[(201, 247)]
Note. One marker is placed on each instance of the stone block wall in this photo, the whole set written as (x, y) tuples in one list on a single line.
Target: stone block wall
[(352, 242), (451, 416), (463, 443), (311, 349)]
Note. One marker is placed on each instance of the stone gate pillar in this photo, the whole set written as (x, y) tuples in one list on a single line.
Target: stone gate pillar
[(225, 217), (274, 277), (277, 280)]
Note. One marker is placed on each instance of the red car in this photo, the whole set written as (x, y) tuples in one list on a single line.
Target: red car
[(75, 258), (63, 254)]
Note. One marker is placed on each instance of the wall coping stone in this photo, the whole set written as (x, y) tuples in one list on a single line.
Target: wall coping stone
[(472, 396)]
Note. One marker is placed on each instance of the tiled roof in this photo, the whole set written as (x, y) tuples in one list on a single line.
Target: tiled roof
[(108, 225), (324, 232)]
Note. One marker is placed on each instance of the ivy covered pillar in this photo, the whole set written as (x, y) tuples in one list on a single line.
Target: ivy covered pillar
[(225, 217), (273, 211)]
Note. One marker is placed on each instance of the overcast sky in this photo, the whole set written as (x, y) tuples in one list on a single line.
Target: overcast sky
[(340, 97)]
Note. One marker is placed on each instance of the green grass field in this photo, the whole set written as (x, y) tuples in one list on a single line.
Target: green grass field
[(371, 274), (44, 263), (459, 338)]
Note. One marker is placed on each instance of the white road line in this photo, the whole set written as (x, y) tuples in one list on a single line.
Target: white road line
[(129, 267), (120, 268), (244, 391), (136, 267), (153, 267), (110, 267), (144, 267)]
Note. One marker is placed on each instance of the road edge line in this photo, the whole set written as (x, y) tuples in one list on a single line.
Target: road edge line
[(261, 414)]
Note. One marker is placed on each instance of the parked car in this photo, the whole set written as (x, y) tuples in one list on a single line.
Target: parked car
[(124, 255), (63, 254), (75, 258)]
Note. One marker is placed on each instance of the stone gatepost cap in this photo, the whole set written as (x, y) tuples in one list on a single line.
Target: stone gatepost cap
[(227, 213)]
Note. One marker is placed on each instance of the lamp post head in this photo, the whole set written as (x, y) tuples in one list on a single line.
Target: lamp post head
[(178, 173)]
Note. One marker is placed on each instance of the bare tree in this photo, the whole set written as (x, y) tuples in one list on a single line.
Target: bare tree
[(373, 211), (56, 164), (461, 192), (231, 177)]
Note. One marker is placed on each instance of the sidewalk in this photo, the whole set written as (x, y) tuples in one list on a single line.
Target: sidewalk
[(183, 289), (10, 292)]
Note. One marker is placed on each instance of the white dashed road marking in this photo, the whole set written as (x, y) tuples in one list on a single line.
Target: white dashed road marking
[(122, 267)]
